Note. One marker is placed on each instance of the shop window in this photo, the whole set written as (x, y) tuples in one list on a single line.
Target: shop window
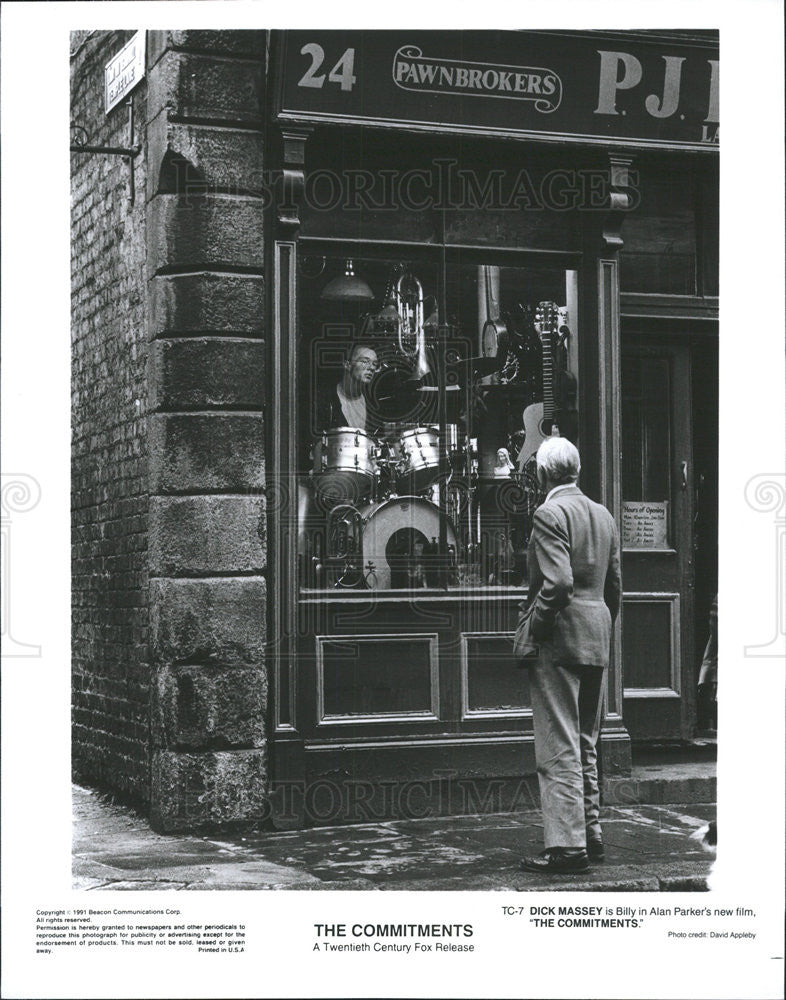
[(425, 386)]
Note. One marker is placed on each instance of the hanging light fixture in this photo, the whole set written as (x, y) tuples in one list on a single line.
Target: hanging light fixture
[(388, 317), (347, 287)]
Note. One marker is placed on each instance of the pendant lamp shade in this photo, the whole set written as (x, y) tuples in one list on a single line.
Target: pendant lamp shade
[(347, 287), (388, 317)]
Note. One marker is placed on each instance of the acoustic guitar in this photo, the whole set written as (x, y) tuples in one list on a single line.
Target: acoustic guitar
[(539, 419)]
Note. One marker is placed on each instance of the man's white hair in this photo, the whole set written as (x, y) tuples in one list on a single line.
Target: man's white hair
[(559, 460)]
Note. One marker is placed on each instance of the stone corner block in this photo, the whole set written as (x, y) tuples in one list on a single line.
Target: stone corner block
[(210, 622), (187, 160), (199, 708), (199, 452), (204, 535), (203, 790), (207, 86), (210, 232), (241, 43), (206, 372), (187, 304)]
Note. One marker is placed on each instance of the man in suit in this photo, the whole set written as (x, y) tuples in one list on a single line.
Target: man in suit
[(574, 597)]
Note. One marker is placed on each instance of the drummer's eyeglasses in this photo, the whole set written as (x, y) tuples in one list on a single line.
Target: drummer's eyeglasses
[(368, 362)]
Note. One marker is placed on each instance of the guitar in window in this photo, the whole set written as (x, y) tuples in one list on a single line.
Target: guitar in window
[(540, 418)]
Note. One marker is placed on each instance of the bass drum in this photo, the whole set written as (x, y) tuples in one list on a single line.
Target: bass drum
[(400, 540)]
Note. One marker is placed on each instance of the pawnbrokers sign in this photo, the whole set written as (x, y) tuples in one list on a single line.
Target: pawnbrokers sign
[(589, 87), (414, 71)]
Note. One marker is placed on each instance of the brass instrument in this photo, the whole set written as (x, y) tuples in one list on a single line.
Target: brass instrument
[(411, 332)]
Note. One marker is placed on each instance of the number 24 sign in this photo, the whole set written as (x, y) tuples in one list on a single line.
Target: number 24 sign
[(341, 72)]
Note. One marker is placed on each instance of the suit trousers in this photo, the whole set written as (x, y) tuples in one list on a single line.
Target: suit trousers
[(567, 707)]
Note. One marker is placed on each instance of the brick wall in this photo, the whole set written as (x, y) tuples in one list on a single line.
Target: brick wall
[(111, 671)]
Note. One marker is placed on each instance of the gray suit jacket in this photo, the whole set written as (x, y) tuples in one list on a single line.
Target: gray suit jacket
[(574, 578)]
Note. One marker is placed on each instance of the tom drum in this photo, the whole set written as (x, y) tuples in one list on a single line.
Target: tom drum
[(417, 455), (345, 464)]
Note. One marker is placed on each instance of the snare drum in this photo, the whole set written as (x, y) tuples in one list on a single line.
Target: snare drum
[(345, 464), (417, 453)]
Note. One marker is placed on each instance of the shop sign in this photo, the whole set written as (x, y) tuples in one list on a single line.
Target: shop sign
[(124, 71), (645, 524), (587, 87)]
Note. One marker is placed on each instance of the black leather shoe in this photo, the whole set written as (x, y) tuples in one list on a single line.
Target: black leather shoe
[(595, 850), (557, 860)]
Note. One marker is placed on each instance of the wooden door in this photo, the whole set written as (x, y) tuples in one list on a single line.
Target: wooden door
[(657, 535)]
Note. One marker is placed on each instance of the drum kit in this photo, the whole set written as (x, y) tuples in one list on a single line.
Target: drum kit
[(383, 528), (350, 464)]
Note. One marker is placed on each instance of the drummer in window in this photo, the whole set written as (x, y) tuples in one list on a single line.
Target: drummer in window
[(346, 403)]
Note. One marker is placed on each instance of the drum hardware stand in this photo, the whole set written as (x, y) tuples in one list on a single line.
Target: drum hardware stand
[(473, 543), (316, 560), (348, 567), (470, 453), (443, 332), (349, 556)]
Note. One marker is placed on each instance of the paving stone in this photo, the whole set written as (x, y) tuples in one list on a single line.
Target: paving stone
[(87, 873), (648, 850), (261, 873), (188, 856), (497, 821)]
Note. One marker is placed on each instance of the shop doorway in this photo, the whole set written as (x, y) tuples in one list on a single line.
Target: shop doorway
[(669, 435)]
